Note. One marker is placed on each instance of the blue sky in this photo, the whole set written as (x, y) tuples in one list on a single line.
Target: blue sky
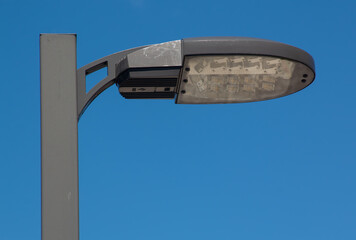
[(279, 169)]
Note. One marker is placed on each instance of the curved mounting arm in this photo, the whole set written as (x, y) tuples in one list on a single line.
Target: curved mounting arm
[(84, 98), (166, 54)]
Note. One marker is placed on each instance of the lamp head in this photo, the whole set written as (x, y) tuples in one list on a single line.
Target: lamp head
[(215, 70)]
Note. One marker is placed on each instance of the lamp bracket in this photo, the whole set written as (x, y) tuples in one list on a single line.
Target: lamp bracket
[(85, 98)]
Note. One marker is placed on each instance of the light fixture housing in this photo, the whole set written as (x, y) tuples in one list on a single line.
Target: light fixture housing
[(215, 70)]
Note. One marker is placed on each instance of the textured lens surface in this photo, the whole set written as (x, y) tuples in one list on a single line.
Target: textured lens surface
[(226, 79)]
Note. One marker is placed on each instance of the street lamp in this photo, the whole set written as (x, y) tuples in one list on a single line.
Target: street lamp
[(191, 71)]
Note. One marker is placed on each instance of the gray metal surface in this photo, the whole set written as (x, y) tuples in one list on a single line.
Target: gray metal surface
[(59, 137)]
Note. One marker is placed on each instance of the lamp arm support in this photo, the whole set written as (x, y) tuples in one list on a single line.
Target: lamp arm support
[(85, 98)]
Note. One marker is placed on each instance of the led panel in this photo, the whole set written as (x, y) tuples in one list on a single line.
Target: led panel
[(240, 78)]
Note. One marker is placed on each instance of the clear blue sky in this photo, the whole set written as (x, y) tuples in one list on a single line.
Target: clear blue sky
[(275, 170)]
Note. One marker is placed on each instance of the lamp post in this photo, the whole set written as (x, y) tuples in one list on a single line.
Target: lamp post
[(193, 71)]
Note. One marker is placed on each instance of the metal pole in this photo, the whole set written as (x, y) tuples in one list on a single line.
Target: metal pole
[(59, 137)]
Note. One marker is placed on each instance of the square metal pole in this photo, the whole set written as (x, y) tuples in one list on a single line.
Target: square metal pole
[(59, 137)]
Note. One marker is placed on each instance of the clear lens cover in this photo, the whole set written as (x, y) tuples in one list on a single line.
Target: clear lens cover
[(240, 78)]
